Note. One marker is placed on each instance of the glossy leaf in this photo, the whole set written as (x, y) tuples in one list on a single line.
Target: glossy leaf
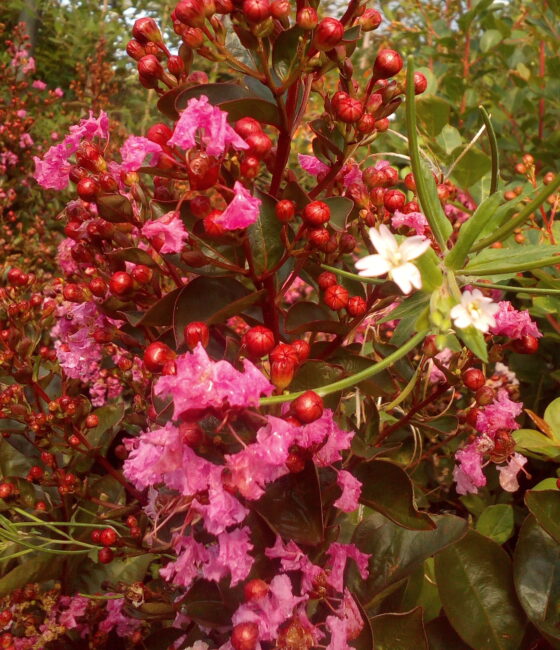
[(387, 488), (340, 207), (536, 568), (216, 93), (496, 261), (441, 636), (35, 569), (292, 507), (534, 443), (396, 552), (433, 113), (115, 208), (303, 314), (552, 417), (266, 245), (400, 631), (544, 505), (256, 107), (475, 582), (205, 605), (496, 522), (134, 255), (285, 51)]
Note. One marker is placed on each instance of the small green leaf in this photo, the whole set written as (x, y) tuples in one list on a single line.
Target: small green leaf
[(387, 488), (340, 208), (536, 444), (474, 340), (490, 39), (475, 582), (536, 567), (285, 51), (496, 261), (496, 522), (402, 631), (267, 247), (441, 636), (544, 505), (470, 230), (115, 208), (471, 168), (552, 417), (433, 113)]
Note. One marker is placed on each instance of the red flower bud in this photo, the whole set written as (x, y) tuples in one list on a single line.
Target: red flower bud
[(190, 12), (319, 238), (473, 378), (526, 345), (370, 20), (149, 67), (245, 636), (382, 124), (285, 210), (357, 306), (108, 537), (246, 126), (256, 10), (176, 65), (336, 297), (73, 293), (279, 8), (394, 200), (259, 144), (387, 64), (200, 206), (409, 182), (203, 170), (420, 83), (302, 349), (159, 133), (142, 274), (259, 341), (471, 417), (411, 206), (366, 123), (6, 490), (326, 280), (307, 18), (211, 227), (255, 589), (195, 333), (121, 284), (87, 189), (308, 407), (329, 32), (484, 396), (135, 50), (156, 355), (284, 352), (347, 109), (282, 373), (146, 29), (316, 213), (98, 287), (347, 243), (249, 167), (105, 556)]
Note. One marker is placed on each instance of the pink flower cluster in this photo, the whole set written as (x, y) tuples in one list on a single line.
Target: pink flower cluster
[(513, 323), (167, 234), (497, 417)]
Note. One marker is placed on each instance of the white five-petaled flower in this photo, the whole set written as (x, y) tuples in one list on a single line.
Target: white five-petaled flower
[(475, 309), (394, 258)]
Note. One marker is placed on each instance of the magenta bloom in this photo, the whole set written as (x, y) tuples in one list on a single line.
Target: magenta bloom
[(514, 323), (243, 210), (134, 152), (312, 165), (468, 473), (509, 472), (415, 220), (123, 625), (272, 610), (73, 607), (64, 257), (51, 171), (231, 555), (351, 490), (338, 555), (39, 85), (168, 229), (499, 415), (337, 627), (186, 568), (211, 123), (201, 383)]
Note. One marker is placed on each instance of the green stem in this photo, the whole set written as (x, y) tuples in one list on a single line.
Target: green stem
[(523, 215), (351, 381), (493, 149), (514, 268), (351, 276), (512, 289)]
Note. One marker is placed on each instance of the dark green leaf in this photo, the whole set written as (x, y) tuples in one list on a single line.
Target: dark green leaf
[(545, 506), (216, 93), (471, 168), (205, 605), (260, 109), (162, 639), (36, 569), (115, 208), (267, 247), (304, 313), (134, 255), (340, 208), (433, 113), (292, 507), (403, 631), (285, 51), (441, 636), (536, 568), (387, 488), (396, 552), (475, 583)]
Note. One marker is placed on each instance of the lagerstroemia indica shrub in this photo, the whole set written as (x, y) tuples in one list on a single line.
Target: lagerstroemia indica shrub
[(272, 380)]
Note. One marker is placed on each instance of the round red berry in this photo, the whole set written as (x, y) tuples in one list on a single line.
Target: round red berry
[(316, 213), (256, 10), (121, 284), (282, 373), (255, 589), (87, 189), (245, 636), (394, 200), (387, 64), (347, 109), (105, 555), (308, 407), (195, 333), (326, 280), (108, 537), (156, 355), (302, 349), (526, 345), (285, 210), (357, 306), (246, 126), (420, 83), (328, 34), (473, 378)]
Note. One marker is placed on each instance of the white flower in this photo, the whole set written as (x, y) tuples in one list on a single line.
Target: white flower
[(394, 258), (475, 309)]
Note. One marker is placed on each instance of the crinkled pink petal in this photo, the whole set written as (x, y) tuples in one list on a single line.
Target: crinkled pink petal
[(230, 556), (338, 555), (339, 635), (498, 415), (509, 472), (312, 165), (243, 210), (468, 474), (351, 490), (170, 228), (134, 152), (415, 220), (513, 323)]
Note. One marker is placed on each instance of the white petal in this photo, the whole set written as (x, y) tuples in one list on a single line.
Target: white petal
[(413, 247), (460, 316), (402, 277), (383, 240), (372, 265)]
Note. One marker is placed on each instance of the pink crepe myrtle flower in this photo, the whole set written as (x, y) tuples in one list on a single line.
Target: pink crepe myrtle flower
[(222, 509), (72, 608), (436, 375), (21, 113), (167, 233), (134, 151), (468, 474), (351, 490), (201, 383), (292, 558), (351, 174), (338, 555), (230, 555), (272, 610), (200, 116), (185, 569), (509, 472), (58, 92), (498, 415), (39, 85), (312, 165), (64, 257), (414, 220), (117, 620), (350, 612), (513, 323), (51, 171), (25, 141), (243, 210)]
